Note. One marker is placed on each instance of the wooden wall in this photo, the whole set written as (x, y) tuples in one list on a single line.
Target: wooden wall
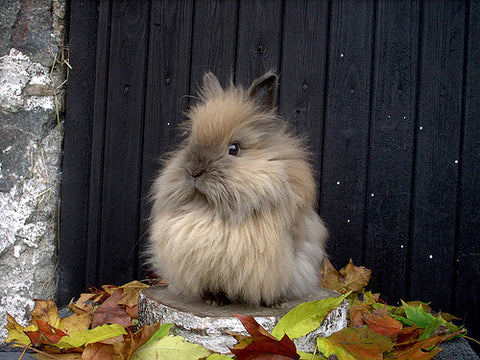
[(387, 91)]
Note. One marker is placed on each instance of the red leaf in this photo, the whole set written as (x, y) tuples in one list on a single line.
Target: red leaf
[(261, 344), (45, 335)]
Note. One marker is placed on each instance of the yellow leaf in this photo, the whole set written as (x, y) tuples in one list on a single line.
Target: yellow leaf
[(15, 332)]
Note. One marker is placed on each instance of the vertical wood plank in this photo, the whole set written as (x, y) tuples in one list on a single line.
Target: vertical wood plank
[(303, 72), (167, 82), (77, 151), (438, 145), (259, 38), (214, 40), (98, 143), (392, 146), (344, 169), (123, 141), (468, 260)]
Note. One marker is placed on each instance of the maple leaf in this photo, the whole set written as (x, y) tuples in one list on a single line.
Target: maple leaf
[(349, 278), (355, 344), (261, 344)]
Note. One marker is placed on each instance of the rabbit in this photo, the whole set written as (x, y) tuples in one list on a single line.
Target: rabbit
[(233, 216)]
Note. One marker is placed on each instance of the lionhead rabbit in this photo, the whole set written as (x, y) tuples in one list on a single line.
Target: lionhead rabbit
[(233, 216)]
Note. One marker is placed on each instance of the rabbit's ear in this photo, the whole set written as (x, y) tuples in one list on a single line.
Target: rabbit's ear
[(211, 86), (264, 90)]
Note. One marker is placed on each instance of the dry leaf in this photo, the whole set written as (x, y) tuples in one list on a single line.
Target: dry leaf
[(111, 313), (350, 278)]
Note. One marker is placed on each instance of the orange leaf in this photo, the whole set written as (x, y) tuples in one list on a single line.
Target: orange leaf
[(355, 343), (419, 350), (382, 323)]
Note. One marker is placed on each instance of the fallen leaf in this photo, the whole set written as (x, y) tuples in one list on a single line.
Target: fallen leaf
[(71, 356), (46, 310), (45, 335), (218, 357), (145, 333), (261, 344), (98, 351), (306, 317), (111, 313), (382, 323), (419, 350), (349, 278), (355, 344), (90, 336), (131, 292), (15, 332), (162, 331), (75, 322), (171, 348)]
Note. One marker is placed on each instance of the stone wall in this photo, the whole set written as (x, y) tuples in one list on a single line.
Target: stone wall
[(33, 68)]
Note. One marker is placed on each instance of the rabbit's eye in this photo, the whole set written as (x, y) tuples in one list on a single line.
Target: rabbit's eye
[(233, 149)]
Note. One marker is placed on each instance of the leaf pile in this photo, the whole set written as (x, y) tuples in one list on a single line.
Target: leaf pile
[(376, 331), (101, 326)]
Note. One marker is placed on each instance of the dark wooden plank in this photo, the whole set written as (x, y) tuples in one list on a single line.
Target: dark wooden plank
[(123, 141), (345, 155), (303, 72), (437, 152), (168, 81), (392, 146), (259, 39), (98, 144), (77, 150), (468, 260), (214, 40)]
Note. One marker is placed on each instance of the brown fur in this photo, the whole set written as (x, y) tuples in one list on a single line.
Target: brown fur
[(243, 226)]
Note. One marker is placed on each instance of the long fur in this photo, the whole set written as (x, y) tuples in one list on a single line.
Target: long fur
[(246, 226)]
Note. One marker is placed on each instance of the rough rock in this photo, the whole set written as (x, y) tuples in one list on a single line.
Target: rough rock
[(31, 134)]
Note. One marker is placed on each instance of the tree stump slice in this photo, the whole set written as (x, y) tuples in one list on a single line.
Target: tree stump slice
[(209, 326)]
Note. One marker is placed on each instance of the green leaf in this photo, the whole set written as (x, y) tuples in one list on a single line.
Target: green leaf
[(420, 317), (306, 317), (160, 333), (171, 348), (90, 336)]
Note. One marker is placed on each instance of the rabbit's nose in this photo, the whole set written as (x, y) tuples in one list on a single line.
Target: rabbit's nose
[(196, 168)]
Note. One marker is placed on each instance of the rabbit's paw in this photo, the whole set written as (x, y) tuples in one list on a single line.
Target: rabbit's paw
[(215, 299)]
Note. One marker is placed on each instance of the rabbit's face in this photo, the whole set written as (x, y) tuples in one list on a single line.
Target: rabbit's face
[(230, 157), (238, 159)]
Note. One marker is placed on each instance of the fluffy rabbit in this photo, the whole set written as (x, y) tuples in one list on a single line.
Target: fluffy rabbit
[(233, 216)]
